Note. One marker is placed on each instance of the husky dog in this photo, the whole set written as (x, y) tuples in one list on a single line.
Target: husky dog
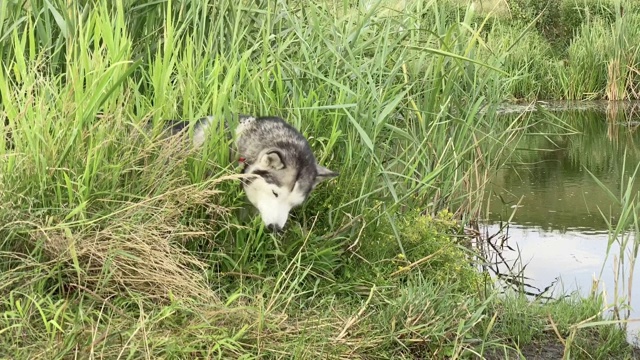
[(284, 167)]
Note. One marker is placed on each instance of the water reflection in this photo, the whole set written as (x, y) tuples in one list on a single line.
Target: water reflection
[(558, 207), (547, 175)]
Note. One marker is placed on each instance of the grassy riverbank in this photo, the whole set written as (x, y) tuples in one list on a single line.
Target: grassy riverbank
[(569, 50), (115, 243)]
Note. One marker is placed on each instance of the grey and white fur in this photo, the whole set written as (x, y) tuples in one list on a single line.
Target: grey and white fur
[(284, 167)]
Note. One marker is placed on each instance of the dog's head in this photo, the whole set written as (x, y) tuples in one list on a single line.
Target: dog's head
[(279, 184)]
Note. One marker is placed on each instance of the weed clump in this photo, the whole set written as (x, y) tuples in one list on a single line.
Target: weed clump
[(437, 244), (415, 243)]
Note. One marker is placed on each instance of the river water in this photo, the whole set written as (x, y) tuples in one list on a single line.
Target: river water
[(556, 210)]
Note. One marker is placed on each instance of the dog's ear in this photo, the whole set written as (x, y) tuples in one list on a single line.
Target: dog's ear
[(272, 159), (323, 174)]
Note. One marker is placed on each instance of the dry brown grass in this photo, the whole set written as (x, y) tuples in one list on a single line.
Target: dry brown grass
[(138, 249), (613, 75)]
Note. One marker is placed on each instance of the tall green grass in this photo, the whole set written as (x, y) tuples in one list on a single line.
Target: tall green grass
[(568, 50), (624, 234), (118, 242)]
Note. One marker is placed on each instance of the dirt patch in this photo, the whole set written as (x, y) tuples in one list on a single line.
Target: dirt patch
[(546, 350)]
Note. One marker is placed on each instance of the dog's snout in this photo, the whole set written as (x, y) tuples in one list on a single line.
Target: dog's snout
[(274, 228)]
